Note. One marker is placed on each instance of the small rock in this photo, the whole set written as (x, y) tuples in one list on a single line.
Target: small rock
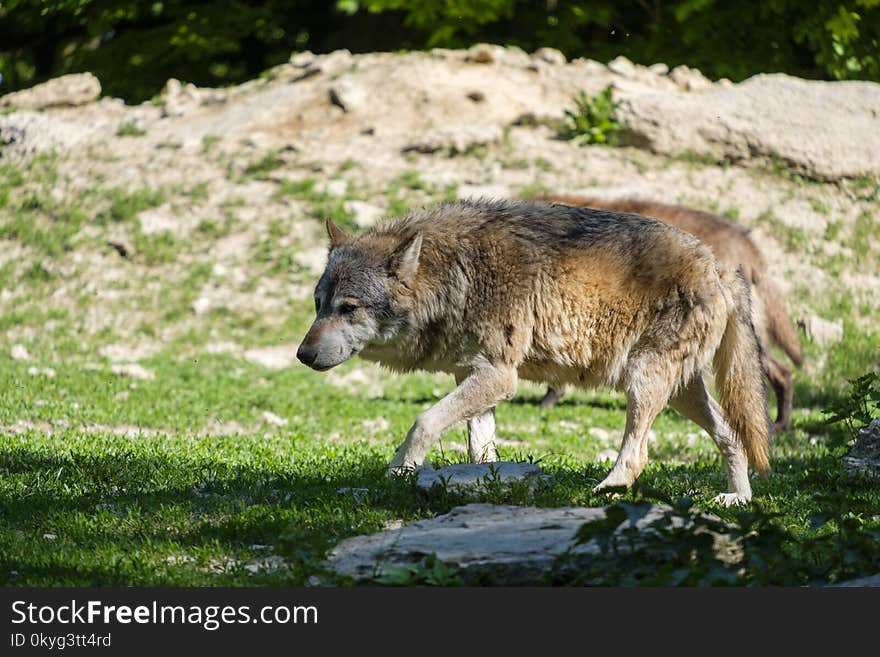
[(476, 96), (550, 55), (865, 453), (313, 259), (481, 53), (349, 96), (622, 67), (159, 219), (689, 79), (375, 425), (359, 381), (607, 455), (65, 91), (474, 476), (483, 191), (821, 331), (270, 563), (273, 358), (122, 353), (48, 372), (356, 493), (226, 347), (365, 214), (275, 420), (50, 537), (202, 305), (19, 352), (337, 187), (458, 140), (302, 59), (659, 69), (132, 371), (178, 98)]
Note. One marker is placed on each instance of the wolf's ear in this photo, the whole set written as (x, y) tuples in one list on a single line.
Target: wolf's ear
[(405, 259), (336, 234)]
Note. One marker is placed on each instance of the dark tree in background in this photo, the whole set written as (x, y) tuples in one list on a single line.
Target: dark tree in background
[(133, 47)]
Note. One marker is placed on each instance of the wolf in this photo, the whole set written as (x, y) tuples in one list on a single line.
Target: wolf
[(493, 291), (732, 246)]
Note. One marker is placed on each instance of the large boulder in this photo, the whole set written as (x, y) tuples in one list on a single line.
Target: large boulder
[(823, 129), (486, 543), (67, 91)]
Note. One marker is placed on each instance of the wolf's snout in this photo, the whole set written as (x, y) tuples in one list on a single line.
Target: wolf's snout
[(306, 354)]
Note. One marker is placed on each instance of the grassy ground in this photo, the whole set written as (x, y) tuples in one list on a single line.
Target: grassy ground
[(219, 471), (87, 499)]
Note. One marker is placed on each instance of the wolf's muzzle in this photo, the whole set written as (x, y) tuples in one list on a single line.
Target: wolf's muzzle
[(306, 354)]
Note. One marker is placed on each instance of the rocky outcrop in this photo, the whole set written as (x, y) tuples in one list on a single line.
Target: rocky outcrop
[(450, 101), (822, 129), (66, 91)]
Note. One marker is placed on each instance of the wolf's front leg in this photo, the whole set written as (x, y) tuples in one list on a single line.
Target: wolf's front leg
[(473, 398)]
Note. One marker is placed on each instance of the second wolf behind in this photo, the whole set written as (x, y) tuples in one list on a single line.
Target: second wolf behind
[(732, 247)]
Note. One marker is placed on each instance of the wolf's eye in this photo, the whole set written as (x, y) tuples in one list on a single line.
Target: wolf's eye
[(346, 308)]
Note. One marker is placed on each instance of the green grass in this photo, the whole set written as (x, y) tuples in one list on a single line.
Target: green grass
[(130, 129), (260, 169), (125, 204), (174, 506)]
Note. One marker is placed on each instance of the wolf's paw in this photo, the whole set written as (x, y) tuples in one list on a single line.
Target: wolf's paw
[(612, 484), (393, 472), (401, 467), (731, 499)]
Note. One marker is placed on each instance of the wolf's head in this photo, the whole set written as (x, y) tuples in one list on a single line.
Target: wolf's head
[(361, 298)]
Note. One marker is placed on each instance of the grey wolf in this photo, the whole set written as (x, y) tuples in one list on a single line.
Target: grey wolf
[(732, 247), (495, 291)]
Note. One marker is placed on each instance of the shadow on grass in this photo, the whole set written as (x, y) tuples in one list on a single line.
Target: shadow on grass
[(121, 518)]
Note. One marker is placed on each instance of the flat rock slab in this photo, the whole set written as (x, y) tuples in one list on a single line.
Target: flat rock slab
[(474, 476), (498, 544), (869, 581)]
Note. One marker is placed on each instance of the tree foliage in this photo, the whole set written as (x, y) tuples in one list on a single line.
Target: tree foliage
[(135, 47)]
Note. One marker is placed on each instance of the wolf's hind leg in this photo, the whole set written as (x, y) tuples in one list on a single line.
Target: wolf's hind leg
[(554, 395), (641, 409), (694, 402), (473, 398), (481, 434), (481, 438)]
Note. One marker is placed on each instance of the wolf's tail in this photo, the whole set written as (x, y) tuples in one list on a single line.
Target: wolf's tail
[(738, 377), (779, 326)]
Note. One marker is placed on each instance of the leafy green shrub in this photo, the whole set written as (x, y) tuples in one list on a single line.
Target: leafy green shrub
[(592, 121), (683, 546), (860, 405), (430, 572)]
